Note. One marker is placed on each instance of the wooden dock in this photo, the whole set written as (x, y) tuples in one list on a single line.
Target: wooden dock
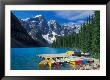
[(61, 55)]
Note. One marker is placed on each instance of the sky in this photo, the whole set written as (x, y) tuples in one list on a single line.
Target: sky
[(61, 16)]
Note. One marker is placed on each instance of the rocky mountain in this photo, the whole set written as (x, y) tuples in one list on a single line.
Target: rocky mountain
[(38, 25), (21, 38)]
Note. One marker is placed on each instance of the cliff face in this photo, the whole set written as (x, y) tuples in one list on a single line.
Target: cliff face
[(48, 29), (20, 37)]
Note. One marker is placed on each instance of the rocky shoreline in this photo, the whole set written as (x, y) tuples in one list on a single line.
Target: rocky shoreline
[(89, 66)]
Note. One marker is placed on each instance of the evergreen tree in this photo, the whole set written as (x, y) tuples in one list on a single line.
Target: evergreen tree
[(88, 38)]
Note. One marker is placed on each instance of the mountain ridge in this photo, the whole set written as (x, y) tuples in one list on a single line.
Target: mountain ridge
[(21, 38), (48, 29)]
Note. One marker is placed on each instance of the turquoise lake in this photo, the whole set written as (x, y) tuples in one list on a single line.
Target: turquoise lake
[(26, 59)]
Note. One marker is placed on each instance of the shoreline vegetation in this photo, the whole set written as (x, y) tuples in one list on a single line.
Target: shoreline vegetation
[(88, 38), (87, 41), (83, 47)]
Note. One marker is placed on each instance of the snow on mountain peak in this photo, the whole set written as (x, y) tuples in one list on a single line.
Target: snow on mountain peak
[(33, 21), (54, 33), (25, 19), (49, 30), (51, 21), (70, 24), (50, 39), (37, 16)]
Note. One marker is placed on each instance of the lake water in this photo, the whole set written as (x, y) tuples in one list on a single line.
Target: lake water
[(26, 59)]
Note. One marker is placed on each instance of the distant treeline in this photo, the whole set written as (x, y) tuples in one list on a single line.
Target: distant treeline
[(88, 38)]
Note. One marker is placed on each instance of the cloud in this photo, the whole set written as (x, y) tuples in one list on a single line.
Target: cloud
[(69, 23), (77, 22), (74, 15), (80, 21)]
